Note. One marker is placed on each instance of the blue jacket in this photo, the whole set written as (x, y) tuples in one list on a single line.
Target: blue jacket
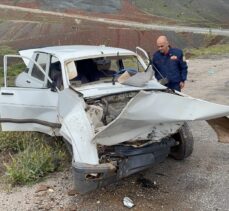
[(171, 66)]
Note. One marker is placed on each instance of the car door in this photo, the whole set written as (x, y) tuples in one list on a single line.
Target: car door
[(29, 105), (143, 55)]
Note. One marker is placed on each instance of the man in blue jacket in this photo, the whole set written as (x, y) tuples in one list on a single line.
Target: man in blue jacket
[(169, 65)]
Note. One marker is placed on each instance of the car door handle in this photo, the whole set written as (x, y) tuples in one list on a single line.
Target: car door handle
[(28, 82), (7, 93)]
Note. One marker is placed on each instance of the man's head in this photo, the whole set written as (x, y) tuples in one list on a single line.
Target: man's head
[(163, 44)]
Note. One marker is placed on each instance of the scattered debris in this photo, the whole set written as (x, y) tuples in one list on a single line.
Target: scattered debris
[(146, 183), (221, 127), (71, 208), (50, 190), (42, 188), (128, 202), (160, 174), (72, 192), (211, 72)]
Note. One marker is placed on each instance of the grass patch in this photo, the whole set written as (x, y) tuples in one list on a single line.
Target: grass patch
[(6, 50), (12, 71), (207, 51), (32, 156), (14, 67), (14, 141), (27, 156)]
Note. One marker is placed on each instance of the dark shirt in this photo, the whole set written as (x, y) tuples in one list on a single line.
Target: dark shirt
[(56, 74), (87, 71), (175, 70)]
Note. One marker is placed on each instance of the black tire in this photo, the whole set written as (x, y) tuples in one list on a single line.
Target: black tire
[(185, 139)]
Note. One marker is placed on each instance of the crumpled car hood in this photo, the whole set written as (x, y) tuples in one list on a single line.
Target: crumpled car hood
[(148, 109)]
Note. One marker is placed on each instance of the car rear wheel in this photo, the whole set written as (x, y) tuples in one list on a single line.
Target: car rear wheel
[(185, 142)]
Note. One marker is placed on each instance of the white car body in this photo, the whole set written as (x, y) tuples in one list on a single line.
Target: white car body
[(144, 109)]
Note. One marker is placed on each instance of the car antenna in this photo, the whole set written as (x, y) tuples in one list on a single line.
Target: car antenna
[(154, 67)]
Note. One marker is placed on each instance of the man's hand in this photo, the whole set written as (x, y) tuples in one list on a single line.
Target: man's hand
[(182, 85)]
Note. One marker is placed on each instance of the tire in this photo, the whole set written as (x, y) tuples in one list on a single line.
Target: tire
[(185, 139)]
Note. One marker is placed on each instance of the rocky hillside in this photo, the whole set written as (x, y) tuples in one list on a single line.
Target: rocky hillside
[(187, 12), (102, 6)]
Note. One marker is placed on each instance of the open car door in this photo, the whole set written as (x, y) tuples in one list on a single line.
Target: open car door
[(32, 106), (143, 54)]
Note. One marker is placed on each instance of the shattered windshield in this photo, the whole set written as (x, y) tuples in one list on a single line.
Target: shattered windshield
[(104, 69)]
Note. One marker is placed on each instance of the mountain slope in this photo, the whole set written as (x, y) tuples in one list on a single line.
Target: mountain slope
[(103, 6), (189, 12)]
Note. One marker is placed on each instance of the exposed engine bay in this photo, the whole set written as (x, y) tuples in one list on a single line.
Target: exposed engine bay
[(104, 110)]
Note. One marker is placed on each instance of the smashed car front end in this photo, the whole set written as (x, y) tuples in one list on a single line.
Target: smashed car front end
[(117, 162), (134, 130), (123, 147)]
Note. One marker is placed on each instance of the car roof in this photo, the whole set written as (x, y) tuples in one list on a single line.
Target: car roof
[(67, 52)]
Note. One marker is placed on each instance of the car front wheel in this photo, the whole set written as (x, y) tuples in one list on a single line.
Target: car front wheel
[(185, 141)]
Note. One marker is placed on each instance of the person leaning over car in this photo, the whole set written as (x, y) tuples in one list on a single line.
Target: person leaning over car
[(169, 65)]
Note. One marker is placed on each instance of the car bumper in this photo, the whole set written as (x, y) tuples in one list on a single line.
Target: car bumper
[(90, 177)]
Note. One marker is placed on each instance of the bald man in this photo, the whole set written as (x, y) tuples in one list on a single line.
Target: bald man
[(168, 63)]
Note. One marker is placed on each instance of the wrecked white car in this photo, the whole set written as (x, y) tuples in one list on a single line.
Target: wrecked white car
[(105, 103)]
